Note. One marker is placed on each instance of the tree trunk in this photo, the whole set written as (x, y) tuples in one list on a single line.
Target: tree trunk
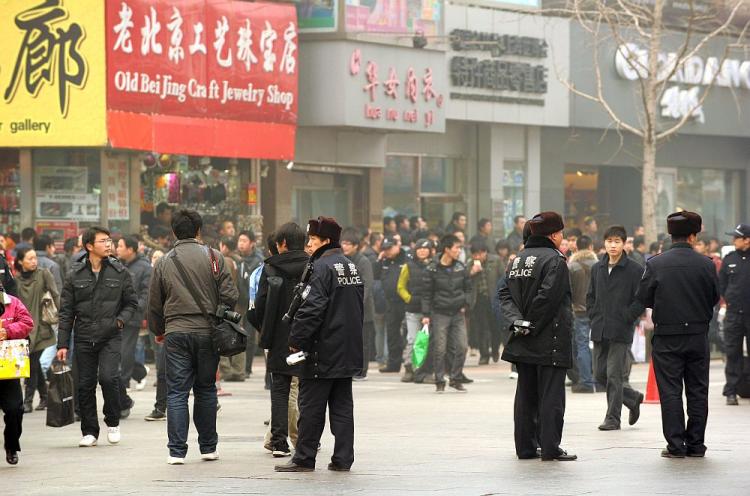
[(648, 199)]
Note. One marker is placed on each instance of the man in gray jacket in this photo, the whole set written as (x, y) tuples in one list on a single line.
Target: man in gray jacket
[(190, 356)]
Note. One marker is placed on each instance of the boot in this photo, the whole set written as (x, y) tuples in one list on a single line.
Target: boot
[(28, 404), (408, 374)]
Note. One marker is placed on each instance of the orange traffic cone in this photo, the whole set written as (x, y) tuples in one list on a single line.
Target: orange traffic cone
[(652, 391)]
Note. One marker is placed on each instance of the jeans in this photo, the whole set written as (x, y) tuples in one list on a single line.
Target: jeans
[(98, 361), (161, 379), (449, 333), (191, 364), (381, 349), (612, 365), (581, 329), (413, 325)]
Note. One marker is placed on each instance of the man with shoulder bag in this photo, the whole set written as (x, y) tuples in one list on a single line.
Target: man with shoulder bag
[(191, 288)]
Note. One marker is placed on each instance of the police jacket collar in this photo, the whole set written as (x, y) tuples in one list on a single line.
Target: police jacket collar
[(536, 241)]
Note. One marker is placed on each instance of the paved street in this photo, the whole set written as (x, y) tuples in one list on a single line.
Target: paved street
[(409, 440)]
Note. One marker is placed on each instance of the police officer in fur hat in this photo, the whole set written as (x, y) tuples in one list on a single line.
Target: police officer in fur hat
[(682, 288), (328, 327)]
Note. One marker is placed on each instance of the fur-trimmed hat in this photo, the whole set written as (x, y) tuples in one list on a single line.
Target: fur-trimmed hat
[(684, 223), (546, 223), (324, 227)]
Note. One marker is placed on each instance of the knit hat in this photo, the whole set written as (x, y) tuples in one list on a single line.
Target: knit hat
[(423, 243), (546, 223), (325, 227), (684, 223)]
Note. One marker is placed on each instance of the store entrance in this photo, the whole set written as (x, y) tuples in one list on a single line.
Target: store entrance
[(610, 194), (340, 195)]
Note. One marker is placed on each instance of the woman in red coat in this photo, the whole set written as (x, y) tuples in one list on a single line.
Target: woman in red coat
[(15, 323)]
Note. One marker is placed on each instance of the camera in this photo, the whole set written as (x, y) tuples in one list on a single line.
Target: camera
[(296, 358), (522, 327), (224, 313)]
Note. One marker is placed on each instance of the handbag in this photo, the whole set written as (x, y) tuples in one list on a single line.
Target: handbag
[(60, 404), (14, 359), (49, 309), (421, 345), (228, 338)]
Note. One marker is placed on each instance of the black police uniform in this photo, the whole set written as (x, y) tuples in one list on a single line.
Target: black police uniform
[(538, 290), (681, 287), (734, 283), (328, 326)]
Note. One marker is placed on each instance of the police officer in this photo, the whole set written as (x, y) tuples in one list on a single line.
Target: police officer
[(681, 287), (734, 283), (537, 302), (328, 326)]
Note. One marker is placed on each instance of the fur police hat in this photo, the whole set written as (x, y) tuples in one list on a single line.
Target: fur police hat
[(325, 227), (546, 223), (684, 223)]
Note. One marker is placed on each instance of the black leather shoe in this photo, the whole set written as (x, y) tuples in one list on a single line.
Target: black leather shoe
[(665, 453), (11, 457), (562, 456), (635, 413), (537, 454), (293, 467), (337, 468), (695, 454), (464, 380), (27, 408), (609, 426), (389, 370), (732, 400), (440, 387), (458, 387), (581, 388)]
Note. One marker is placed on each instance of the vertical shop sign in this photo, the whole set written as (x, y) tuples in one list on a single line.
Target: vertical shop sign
[(118, 189), (252, 194), (52, 69)]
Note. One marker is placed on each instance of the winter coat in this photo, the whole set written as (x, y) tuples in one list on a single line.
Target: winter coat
[(411, 284), (365, 270), (492, 271), (612, 306), (538, 290), (16, 319), (6, 277), (245, 268), (388, 271), (447, 289), (734, 281), (682, 288), (580, 278), (31, 289), (280, 275), (328, 324), (140, 270), (95, 304), (44, 262)]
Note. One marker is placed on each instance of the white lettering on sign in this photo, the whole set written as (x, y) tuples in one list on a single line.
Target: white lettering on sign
[(677, 103)]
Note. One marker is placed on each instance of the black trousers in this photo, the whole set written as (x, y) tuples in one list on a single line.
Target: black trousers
[(314, 395), (539, 409), (281, 384), (612, 369), (369, 339), (11, 403), (394, 317), (736, 331), (252, 345), (484, 327), (678, 360), (100, 361), (127, 361), (36, 381)]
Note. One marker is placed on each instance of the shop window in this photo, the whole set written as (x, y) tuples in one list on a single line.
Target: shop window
[(317, 15), (400, 195), (10, 192), (386, 16), (711, 192), (513, 194)]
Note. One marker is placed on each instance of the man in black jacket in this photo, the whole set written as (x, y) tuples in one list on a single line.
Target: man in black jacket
[(734, 282), (538, 293), (681, 287), (445, 298), (388, 269), (350, 247), (281, 273), (6, 275), (613, 310), (98, 298), (328, 326)]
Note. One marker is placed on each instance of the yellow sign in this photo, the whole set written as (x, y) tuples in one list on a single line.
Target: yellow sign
[(52, 73), (14, 359)]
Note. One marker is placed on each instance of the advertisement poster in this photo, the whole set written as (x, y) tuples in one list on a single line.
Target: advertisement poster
[(14, 359), (78, 206), (59, 230), (395, 16), (52, 73), (50, 179)]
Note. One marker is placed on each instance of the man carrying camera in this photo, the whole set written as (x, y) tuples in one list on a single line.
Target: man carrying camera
[(175, 317), (328, 327), (537, 301)]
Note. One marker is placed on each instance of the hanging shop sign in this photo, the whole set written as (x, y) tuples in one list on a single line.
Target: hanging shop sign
[(118, 188), (52, 64), (511, 67), (202, 76)]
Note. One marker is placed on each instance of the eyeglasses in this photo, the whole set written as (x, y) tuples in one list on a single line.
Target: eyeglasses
[(107, 241)]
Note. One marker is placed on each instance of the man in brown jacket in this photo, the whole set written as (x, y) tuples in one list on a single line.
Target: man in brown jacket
[(580, 278)]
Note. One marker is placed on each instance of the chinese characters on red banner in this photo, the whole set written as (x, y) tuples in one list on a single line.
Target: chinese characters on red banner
[(419, 100)]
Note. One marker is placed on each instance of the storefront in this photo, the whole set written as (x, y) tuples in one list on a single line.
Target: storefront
[(592, 172), (159, 101)]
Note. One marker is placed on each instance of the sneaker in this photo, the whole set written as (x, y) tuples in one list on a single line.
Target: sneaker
[(210, 457), (113, 434), (126, 412), (155, 415), (440, 387), (173, 460), (140, 385), (87, 441), (458, 387), (281, 453), (732, 400), (359, 378), (513, 375)]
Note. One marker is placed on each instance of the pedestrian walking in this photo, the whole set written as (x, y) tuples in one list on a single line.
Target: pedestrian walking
[(328, 327), (681, 287), (580, 266), (388, 269), (34, 284), (98, 299), (485, 271), (537, 302), (6, 275), (447, 289), (44, 247), (232, 369), (15, 323), (250, 259), (734, 283), (411, 289), (178, 315), (281, 274), (159, 413), (613, 311)]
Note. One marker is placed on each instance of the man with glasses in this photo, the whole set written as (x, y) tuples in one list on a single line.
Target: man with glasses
[(99, 299)]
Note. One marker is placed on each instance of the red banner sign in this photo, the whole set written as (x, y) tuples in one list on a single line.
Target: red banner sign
[(214, 77)]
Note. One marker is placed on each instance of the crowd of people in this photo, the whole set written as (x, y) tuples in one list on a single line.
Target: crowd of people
[(577, 294)]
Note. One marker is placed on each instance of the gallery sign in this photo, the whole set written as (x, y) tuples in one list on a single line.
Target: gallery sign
[(201, 76)]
